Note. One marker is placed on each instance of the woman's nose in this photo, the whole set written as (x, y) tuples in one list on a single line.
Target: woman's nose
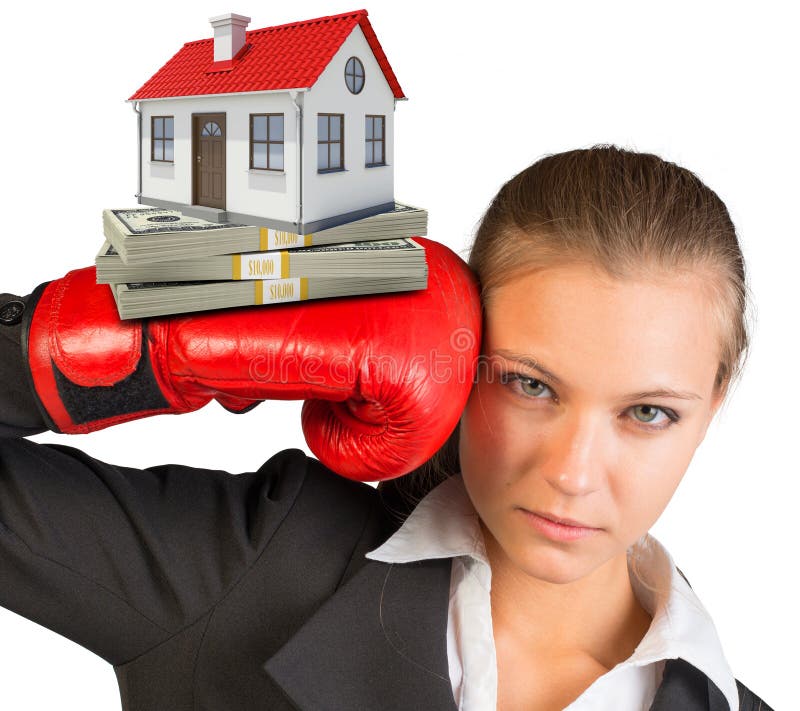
[(573, 461)]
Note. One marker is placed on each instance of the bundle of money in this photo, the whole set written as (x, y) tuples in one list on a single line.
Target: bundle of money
[(145, 235), (160, 262)]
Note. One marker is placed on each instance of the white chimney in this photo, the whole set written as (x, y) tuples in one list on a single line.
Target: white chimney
[(228, 35)]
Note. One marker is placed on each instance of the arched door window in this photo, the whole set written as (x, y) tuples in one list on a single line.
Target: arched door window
[(211, 129)]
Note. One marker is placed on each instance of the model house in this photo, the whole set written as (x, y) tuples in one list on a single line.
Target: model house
[(289, 127)]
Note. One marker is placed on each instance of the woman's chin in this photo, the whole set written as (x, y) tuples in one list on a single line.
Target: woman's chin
[(557, 572), (549, 562)]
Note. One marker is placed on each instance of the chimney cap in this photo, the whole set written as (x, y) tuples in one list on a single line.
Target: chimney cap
[(228, 18)]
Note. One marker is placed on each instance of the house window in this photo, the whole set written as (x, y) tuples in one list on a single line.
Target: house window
[(162, 139), (354, 75), (266, 141), (375, 140), (330, 142)]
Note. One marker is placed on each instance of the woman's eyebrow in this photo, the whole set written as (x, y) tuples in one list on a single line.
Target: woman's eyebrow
[(528, 361), (532, 364)]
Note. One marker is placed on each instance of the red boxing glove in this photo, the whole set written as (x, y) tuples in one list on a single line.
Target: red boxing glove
[(385, 377)]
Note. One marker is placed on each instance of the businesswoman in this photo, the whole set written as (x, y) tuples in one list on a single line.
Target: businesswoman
[(570, 373)]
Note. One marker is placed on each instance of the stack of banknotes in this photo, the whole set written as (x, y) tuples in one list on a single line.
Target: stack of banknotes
[(159, 262)]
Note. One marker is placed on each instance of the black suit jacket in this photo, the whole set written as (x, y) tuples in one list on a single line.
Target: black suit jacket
[(207, 590), (212, 591)]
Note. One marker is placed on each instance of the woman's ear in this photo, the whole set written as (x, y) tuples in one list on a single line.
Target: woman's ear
[(717, 398)]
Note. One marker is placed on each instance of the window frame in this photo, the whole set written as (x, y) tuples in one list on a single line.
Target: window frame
[(373, 140), (163, 140), (268, 142), (330, 142)]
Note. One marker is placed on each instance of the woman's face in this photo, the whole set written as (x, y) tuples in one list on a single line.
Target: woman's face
[(590, 446)]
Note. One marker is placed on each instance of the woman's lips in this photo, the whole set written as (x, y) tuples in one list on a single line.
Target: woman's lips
[(565, 521), (560, 530)]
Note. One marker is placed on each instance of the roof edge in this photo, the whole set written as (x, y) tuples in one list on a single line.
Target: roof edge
[(380, 55), (227, 93)]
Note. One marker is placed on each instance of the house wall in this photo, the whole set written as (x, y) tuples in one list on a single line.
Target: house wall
[(254, 192), (356, 187)]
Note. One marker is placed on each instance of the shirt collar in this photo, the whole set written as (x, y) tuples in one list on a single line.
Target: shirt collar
[(445, 524)]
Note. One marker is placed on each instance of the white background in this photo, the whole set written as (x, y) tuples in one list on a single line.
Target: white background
[(491, 87)]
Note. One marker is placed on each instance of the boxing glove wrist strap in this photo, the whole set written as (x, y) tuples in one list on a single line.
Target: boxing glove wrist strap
[(89, 369)]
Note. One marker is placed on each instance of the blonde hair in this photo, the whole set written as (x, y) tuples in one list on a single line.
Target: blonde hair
[(630, 215)]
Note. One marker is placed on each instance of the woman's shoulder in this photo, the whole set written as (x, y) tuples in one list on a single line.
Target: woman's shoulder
[(292, 471), (328, 499)]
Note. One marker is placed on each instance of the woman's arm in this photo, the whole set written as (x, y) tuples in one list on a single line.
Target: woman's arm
[(119, 559), (115, 558)]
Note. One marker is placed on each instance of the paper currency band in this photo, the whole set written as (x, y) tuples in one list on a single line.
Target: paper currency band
[(269, 239), (275, 291), (258, 266), (88, 368)]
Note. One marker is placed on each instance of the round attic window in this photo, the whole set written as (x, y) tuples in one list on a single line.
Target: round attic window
[(354, 75)]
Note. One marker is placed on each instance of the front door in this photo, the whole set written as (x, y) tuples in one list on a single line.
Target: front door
[(208, 141)]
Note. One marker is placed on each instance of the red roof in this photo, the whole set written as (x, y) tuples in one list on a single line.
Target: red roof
[(288, 56)]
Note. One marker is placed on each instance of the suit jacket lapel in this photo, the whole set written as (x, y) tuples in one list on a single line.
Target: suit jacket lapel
[(686, 688), (379, 642)]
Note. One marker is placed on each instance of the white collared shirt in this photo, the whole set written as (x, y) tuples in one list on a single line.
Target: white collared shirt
[(445, 525)]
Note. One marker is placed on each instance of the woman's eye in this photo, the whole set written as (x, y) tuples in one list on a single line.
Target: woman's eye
[(651, 411), (530, 387)]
